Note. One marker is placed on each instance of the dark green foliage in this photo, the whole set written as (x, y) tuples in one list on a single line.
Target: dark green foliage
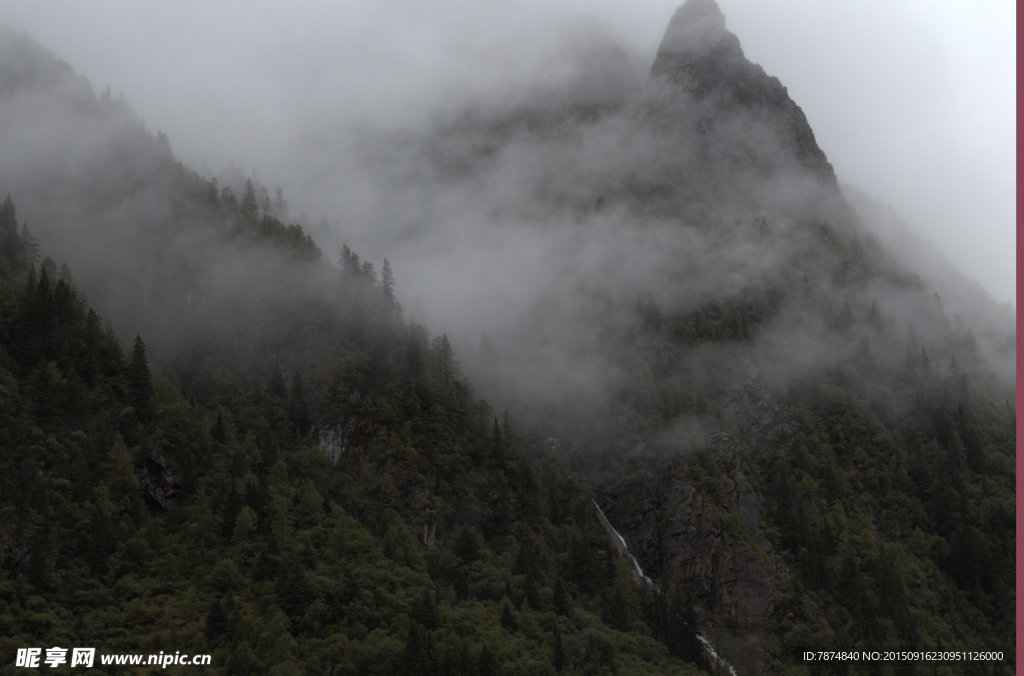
[(424, 611), (559, 599), (673, 621), (248, 204), (255, 545), (508, 618), (140, 387), (298, 410), (558, 658), (374, 516), (13, 247), (387, 285)]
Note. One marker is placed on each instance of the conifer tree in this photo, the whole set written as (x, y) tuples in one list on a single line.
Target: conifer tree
[(139, 384), (559, 650), (10, 241), (387, 282), (297, 408), (216, 623), (559, 599), (275, 381), (508, 618), (30, 246), (212, 194), (280, 205), (446, 360), (350, 262), (249, 205)]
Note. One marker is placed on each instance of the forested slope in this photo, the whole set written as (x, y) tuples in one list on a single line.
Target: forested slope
[(263, 457), (139, 518)]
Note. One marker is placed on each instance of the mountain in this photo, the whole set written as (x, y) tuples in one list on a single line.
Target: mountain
[(768, 401), (803, 440), (793, 439), (699, 57), (282, 473)]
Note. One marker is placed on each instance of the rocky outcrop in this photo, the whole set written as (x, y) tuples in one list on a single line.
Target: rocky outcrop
[(161, 482), (760, 418), (680, 537), (731, 574), (701, 530), (334, 439), (745, 117)]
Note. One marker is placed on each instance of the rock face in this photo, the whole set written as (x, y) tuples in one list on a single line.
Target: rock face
[(701, 530), (335, 439), (160, 483), (678, 535), (738, 138), (741, 110)]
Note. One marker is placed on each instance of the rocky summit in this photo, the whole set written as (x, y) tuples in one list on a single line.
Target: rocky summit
[(700, 57)]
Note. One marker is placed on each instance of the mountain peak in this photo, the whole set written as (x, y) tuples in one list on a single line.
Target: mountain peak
[(695, 27), (700, 58)]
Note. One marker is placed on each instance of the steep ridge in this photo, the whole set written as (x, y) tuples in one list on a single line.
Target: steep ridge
[(775, 448), (785, 422), (305, 483), (774, 408), (700, 57)]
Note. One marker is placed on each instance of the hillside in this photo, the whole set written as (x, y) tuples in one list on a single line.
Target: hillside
[(804, 436), (768, 401), (288, 475)]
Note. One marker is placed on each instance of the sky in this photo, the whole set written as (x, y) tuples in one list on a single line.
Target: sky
[(912, 101)]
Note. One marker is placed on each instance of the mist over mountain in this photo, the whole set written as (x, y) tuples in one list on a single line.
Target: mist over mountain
[(799, 419)]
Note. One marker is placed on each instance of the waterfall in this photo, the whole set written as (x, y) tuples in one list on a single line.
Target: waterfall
[(623, 547), (620, 544)]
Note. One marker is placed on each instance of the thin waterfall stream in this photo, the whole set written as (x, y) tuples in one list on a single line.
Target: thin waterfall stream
[(620, 544)]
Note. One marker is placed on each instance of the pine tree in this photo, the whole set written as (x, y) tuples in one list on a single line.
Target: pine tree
[(297, 408), (249, 205), (559, 599), (216, 623), (487, 663), (280, 205), (275, 381), (445, 361), (350, 262), (212, 194), (140, 386), (508, 618), (424, 611), (218, 431), (10, 242), (387, 282), (559, 650), (30, 246), (420, 657), (100, 540)]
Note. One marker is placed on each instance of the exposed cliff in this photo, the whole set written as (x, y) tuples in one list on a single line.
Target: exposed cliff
[(811, 419), (746, 124)]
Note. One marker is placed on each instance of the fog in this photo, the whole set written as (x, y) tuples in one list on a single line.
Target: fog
[(541, 198), (632, 263), (912, 102)]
